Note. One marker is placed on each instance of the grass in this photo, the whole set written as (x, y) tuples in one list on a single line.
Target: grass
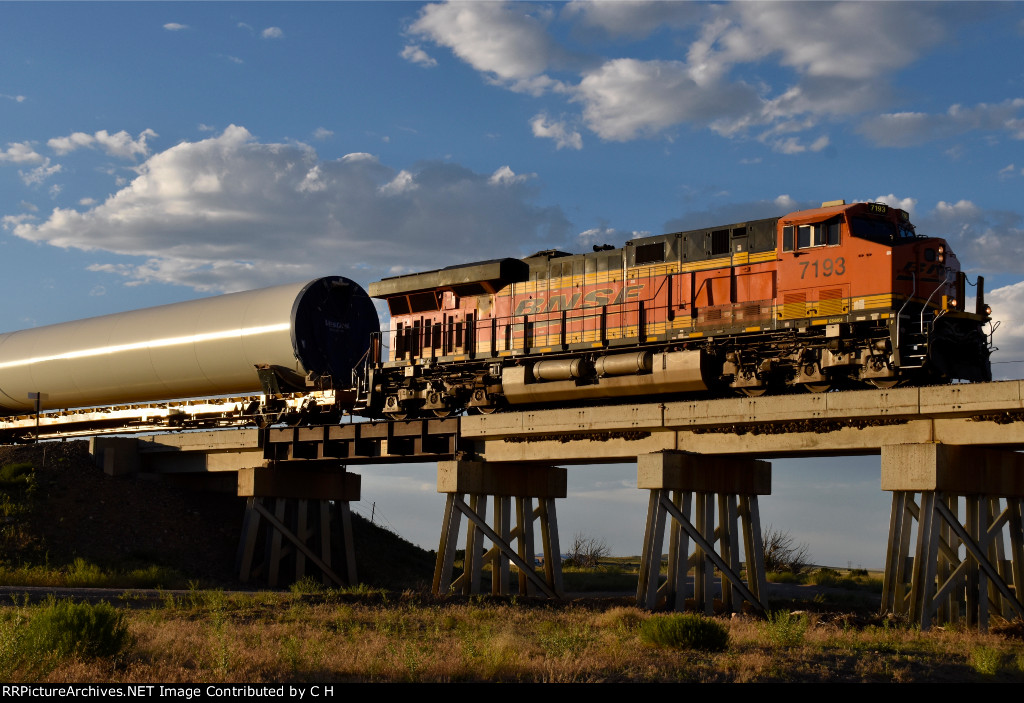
[(338, 636), (84, 574)]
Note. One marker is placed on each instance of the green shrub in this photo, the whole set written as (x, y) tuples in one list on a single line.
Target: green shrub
[(63, 628), (828, 577), (16, 476), (986, 660), (786, 629), (681, 631)]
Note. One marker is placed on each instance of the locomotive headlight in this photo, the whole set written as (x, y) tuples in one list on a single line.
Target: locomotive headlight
[(953, 303), (988, 309)]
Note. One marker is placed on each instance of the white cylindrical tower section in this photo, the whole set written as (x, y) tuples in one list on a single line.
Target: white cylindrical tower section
[(193, 349)]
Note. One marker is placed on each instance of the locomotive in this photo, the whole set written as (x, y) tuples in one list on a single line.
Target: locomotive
[(840, 296)]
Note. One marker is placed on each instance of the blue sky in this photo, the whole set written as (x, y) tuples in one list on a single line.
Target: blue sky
[(157, 152)]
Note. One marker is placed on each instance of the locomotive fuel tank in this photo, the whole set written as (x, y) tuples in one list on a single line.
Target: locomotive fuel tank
[(315, 329)]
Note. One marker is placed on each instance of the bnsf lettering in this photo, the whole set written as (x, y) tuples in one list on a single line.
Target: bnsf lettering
[(562, 302), (595, 298)]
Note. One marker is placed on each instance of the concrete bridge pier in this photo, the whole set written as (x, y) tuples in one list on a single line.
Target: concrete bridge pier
[(505, 483), (955, 566), (686, 488), (297, 523)]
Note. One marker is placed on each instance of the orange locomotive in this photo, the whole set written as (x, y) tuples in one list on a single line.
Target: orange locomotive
[(834, 297)]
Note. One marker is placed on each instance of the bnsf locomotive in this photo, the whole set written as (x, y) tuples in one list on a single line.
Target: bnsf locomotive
[(834, 297)]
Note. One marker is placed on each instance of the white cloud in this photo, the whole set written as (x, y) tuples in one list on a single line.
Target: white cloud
[(1007, 307), (322, 133), (506, 176), (986, 241), (175, 26), (414, 53), (627, 98), (272, 33), (20, 153), (793, 145), (563, 135), (15, 98), (913, 128), (838, 59), (635, 19), (230, 213), (857, 40), (507, 41), (39, 174), (118, 144)]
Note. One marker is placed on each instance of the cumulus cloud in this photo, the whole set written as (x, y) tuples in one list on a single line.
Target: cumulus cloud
[(1007, 304), (322, 133), (20, 153), (415, 54), (986, 241), (913, 128), (272, 33), (175, 26), (119, 144), (838, 59), (230, 213), (506, 41), (627, 98), (636, 19), (564, 136)]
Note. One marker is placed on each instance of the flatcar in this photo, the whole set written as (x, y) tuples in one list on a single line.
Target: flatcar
[(840, 296)]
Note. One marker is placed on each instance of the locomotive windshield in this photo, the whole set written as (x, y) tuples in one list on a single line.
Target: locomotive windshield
[(880, 230)]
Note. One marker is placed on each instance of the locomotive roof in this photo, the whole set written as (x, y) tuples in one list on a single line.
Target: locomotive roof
[(493, 273)]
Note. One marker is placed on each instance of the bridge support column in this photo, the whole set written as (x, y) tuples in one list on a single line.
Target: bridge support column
[(506, 484), (687, 488), (297, 523), (955, 566)]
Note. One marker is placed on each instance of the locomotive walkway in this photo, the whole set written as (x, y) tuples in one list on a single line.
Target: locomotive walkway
[(957, 487)]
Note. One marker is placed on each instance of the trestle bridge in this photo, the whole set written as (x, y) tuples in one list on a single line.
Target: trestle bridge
[(948, 457)]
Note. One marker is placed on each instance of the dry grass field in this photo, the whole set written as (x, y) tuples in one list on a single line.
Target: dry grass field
[(366, 635)]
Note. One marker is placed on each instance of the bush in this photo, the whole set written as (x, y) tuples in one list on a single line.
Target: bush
[(16, 476), (786, 629), (781, 553), (685, 632), (64, 629), (586, 552)]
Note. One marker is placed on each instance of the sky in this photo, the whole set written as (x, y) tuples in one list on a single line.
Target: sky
[(157, 152)]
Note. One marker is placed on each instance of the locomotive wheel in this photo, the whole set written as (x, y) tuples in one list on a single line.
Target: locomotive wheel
[(753, 392), (817, 387), (443, 413), (483, 410), (396, 416), (884, 384)]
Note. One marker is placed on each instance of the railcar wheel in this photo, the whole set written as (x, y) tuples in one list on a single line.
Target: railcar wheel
[(483, 410), (396, 416), (446, 412)]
